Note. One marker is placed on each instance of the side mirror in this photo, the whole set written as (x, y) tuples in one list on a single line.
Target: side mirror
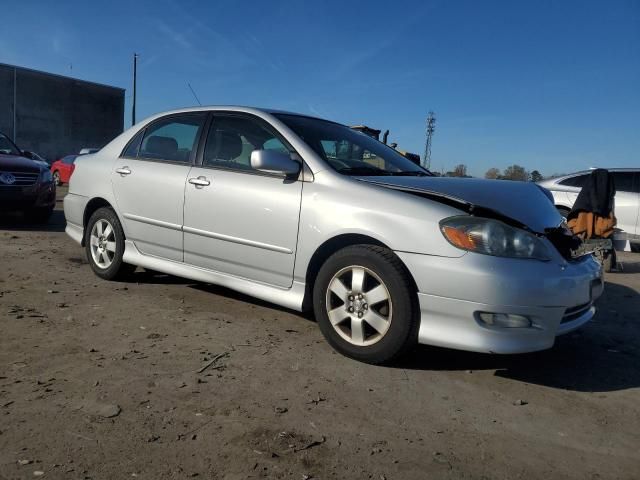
[(274, 162)]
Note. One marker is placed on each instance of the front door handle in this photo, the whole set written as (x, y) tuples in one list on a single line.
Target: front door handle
[(200, 182), (123, 171)]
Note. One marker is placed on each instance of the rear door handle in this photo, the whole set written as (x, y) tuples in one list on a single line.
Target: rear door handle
[(200, 182), (123, 171)]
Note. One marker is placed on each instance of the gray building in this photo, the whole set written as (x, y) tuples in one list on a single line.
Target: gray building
[(54, 115)]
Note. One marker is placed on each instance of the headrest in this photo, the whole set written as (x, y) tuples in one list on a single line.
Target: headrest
[(164, 147), (229, 145)]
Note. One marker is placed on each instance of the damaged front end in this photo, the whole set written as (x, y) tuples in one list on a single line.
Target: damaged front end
[(567, 244), (526, 211)]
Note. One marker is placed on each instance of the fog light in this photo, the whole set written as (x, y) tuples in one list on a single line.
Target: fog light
[(504, 320)]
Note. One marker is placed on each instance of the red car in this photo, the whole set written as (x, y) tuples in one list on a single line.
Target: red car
[(63, 168)]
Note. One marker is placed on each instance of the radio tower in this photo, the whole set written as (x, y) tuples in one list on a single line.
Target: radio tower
[(431, 126)]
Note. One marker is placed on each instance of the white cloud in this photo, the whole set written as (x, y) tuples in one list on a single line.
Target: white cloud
[(173, 35)]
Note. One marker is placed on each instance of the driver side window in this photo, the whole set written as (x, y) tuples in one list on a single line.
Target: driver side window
[(231, 140)]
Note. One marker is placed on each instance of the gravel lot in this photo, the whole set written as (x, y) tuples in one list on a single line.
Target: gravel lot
[(110, 380)]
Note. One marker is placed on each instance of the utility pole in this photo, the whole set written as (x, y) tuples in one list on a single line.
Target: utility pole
[(431, 127), (135, 74)]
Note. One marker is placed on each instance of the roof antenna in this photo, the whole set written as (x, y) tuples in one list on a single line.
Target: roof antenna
[(194, 94)]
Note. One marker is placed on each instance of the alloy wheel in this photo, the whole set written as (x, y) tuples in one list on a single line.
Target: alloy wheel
[(103, 243), (359, 305)]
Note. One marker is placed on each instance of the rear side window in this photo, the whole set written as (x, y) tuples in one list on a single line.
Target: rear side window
[(69, 159), (577, 181), (134, 146), (172, 139), (624, 181)]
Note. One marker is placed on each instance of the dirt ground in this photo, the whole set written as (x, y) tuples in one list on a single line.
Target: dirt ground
[(103, 380)]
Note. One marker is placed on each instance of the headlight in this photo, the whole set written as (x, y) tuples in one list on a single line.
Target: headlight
[(492, 237), (46, 176)]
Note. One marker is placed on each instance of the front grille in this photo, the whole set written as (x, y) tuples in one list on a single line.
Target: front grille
[(21, 179), (573, 313)]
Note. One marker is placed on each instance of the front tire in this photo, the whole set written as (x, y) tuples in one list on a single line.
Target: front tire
[(366, 305), (104, 245), (56, 178)]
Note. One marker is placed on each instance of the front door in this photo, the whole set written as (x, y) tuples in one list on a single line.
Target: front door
[(237, 220), (149, 181)]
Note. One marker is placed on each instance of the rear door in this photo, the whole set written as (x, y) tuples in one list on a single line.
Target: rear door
[(149, 179), (237, 220), (626, 202)]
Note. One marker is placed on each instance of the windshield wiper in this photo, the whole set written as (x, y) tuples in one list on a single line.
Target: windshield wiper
[(362, 171), (416, 173)]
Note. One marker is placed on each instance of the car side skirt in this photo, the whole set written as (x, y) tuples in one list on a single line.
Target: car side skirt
[(287, 297)]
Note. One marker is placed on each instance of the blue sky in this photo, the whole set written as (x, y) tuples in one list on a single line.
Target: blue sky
[(553, 86)]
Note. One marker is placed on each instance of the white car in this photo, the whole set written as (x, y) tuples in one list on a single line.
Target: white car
[(565, 191)]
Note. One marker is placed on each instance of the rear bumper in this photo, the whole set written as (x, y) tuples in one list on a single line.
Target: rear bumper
[(453, 291), (74, 208)]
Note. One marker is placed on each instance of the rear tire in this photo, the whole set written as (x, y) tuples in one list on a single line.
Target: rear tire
[(366, 305), (104, 245), (56, 178)]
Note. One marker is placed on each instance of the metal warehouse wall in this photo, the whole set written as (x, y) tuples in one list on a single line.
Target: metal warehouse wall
[(56, 116)]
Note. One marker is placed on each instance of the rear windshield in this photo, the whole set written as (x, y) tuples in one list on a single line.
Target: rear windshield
[(577, 181)]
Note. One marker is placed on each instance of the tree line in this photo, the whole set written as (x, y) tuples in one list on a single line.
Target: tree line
[(512, 172)]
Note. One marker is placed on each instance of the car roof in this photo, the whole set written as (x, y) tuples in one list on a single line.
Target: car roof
[(583, 172), (236, 108)]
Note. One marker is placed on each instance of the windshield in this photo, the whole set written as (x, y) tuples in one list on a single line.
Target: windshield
[(348, 151), (7, 147)]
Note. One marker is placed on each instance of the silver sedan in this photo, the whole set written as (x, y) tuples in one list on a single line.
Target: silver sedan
[(309, 214)]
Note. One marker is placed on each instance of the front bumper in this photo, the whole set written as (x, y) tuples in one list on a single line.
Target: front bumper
[(22, 198), (556, 296)]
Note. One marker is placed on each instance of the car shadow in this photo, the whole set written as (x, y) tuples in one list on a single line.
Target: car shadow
[(143, 276), (15, 222), (241, 297), (603, 356), (152, 277)]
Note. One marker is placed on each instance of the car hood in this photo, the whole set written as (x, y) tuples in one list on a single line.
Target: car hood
[(525, 203), (13, 163)]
